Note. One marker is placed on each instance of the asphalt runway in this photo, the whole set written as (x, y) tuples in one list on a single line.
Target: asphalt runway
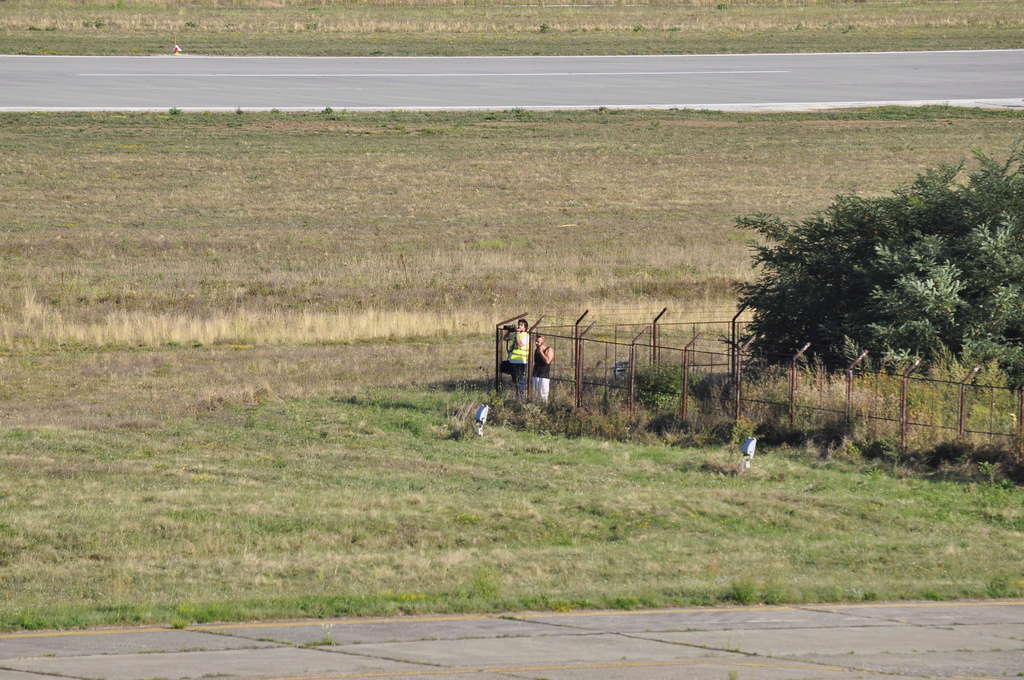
[(991, 78), (970, 640)]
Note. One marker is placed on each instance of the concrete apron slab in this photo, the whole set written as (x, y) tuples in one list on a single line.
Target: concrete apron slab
[(962, 665), (837, 642), (691, 670), (969, 639), (115, 641), (934, 613), (278, 662), (701, 619), (703, 670), (547, 650), (1013, 631), (349, 631), (19, 675)]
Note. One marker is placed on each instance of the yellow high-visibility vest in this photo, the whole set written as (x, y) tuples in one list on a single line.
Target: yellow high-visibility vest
[(520, 348)]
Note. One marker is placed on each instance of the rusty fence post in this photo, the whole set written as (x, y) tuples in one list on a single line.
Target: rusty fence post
[(684, 384), (1020, 422), (734, 340), (529, 358), (606, 368), (576, 364), (904, 411), (792, 382), (849, 387), (498, 347), (580, 353), (654, 336), (576, 326), (961, 418), (577, 370), (737, 377), (631, 387), (630, 406)]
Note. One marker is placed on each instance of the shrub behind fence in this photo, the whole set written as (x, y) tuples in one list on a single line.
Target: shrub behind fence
[(699, 372)]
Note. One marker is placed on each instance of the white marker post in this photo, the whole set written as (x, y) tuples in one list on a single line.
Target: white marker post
[(747, 449)]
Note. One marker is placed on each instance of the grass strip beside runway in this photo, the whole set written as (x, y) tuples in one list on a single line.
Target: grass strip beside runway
[(503, 27), (193, 338), (239, 229)]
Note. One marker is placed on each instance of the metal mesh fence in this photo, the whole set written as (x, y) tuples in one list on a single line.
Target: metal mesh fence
[(699, 371)]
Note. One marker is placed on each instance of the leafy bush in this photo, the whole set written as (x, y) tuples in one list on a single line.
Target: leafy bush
[(657, 386), (935, 268)]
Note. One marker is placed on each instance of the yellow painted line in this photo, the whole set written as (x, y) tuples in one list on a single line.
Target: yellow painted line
[(563, 667), (514, 616)]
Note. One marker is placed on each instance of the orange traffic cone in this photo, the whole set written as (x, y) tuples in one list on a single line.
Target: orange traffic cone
[(176, 50)]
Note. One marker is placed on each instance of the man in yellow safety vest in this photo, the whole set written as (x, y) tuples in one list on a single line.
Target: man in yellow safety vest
[(519, 355)]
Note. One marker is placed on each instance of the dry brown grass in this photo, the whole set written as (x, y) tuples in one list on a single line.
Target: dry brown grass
[(504, 27), (41, 326), (458, 16), (144, 229), (139, 390)]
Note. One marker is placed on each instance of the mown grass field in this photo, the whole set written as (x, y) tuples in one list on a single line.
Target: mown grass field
[(234, 350), (361, 501), (458, 27)]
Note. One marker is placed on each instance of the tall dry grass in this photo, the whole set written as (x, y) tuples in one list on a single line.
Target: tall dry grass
[(426, 17), (39, 325), (349, 4), (129, 229)]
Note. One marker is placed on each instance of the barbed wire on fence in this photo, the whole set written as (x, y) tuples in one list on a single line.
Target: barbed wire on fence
[(702, 372)]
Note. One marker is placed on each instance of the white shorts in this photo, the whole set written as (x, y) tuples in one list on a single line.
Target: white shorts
[(541, 388)]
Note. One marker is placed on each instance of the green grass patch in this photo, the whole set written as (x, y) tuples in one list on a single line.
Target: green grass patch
[(364, 504)]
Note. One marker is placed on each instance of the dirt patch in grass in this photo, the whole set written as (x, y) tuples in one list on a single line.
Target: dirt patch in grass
[(703, 123), (860, 124)]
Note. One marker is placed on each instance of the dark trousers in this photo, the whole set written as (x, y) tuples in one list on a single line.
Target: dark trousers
[(518, 373)]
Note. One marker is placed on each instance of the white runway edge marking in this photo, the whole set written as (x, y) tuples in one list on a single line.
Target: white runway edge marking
[(560, 74), (727, 55), (1008, 104)]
